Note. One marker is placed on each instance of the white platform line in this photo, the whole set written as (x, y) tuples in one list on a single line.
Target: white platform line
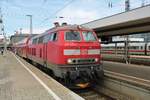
[(39, 80)]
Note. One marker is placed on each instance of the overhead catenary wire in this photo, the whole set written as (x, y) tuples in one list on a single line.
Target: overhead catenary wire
[(139, 4), (60, 9)]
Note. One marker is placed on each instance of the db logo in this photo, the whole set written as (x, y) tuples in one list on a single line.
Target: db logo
[(84, 51)]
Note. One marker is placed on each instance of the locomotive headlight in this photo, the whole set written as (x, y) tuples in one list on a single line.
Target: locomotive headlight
[(96, 59), (69, 61)]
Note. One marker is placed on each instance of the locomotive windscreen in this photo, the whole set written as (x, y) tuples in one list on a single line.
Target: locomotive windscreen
[(88, 36), (73, 35)]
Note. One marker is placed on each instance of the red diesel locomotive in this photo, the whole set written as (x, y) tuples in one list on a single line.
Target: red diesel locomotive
[(71, 52)]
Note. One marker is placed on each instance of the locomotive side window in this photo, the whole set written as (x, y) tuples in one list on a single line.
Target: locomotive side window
[(72, 35), (88, 36), (53, 37)]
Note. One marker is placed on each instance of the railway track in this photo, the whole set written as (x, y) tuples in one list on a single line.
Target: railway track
[(92, 94)]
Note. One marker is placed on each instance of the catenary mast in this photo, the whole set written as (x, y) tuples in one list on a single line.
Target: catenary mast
[(2, 30)]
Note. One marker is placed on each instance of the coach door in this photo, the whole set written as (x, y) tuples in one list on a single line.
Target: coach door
[(45, 50)]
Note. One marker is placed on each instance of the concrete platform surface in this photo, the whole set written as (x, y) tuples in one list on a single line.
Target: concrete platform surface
[(20, 80)]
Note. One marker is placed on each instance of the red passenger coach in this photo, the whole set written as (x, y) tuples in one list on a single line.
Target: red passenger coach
[(21, 48), (71, 52)]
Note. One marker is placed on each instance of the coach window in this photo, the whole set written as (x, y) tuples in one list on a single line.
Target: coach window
[(47, 38), (34, 41), (135, 47), (40, 40)]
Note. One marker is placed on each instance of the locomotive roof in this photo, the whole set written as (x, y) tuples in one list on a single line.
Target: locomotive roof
[(66, 27), (69, 27)]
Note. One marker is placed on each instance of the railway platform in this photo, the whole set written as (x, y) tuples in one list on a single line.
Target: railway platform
[(138, 71), (132, 81), (20, 80), (134, 59)]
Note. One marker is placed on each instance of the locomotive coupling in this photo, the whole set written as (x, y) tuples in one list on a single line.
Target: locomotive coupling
[(73, 75), (88, 73)]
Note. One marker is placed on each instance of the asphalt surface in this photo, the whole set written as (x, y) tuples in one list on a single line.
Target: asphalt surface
[(138, 71)]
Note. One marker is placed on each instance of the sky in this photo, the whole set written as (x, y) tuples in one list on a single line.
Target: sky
[(46, 12)]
